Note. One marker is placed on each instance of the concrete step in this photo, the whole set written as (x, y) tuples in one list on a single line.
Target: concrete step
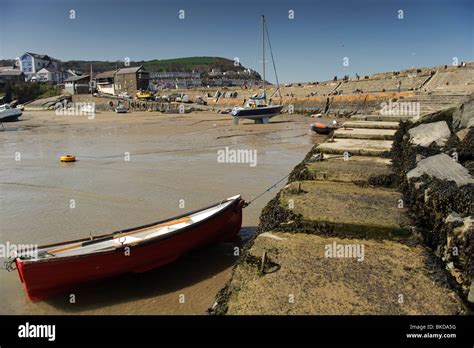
[(364, 133), (362, 147), (371, 124), (380, 118), (322, 283), (335, 168), (348, 209)]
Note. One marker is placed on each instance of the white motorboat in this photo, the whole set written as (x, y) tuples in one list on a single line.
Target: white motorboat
[(8, 113)]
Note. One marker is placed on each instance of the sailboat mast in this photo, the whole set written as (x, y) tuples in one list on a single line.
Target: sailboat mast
[(263, 50)]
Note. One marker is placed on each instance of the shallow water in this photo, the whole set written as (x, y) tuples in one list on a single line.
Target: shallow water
[(172, 160)]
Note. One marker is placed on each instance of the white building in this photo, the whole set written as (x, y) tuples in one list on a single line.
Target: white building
[(31, 63), (50, 74)]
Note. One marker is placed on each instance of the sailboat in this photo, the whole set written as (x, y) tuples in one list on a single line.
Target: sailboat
[(257, 108)]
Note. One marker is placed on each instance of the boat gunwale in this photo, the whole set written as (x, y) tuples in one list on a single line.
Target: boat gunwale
[(155, 239)]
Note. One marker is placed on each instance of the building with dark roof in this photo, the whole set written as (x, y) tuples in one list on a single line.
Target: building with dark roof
[(31, 63), (130, 80), (77, 84), (105, 82), (12, 76)]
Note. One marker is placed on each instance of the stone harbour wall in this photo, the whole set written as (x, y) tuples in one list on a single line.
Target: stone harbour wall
[(433, 160)]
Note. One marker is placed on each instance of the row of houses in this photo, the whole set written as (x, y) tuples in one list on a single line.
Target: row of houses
[(121, 81), (129, 80), (31, 67), (115, 82), (42, 68), (230, 73)]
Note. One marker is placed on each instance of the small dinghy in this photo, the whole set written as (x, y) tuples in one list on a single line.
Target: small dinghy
[(324, 128), (121, 110), (56, 268)]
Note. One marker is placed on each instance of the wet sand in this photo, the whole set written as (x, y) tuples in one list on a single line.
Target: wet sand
[(172, 158)]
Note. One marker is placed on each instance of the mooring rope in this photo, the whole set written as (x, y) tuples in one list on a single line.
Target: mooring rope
[(267, 190), (315, 158), (9, 264)]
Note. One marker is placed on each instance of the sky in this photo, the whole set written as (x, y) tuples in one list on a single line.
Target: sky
[(309, 47)]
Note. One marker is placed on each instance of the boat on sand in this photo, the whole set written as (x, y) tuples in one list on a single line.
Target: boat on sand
[(53, 269), (7, 113)]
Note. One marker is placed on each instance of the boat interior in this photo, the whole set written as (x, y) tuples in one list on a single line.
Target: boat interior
[(125, 238)]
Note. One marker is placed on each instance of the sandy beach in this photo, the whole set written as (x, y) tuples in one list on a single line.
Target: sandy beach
[(134, 169)]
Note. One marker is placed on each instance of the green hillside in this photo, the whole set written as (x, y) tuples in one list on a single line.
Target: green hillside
[(189, 64), (177, 64)]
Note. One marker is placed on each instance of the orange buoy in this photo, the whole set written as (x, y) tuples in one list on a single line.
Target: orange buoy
[(68, 158)]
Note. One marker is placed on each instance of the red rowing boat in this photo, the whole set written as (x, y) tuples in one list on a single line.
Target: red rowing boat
[(56, 268)]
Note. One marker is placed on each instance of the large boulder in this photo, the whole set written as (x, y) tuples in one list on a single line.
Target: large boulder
[(49, 103), (429, 133), (442, 167)]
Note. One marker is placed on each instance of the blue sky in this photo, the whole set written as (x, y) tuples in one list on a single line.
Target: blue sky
[(310, 47)]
